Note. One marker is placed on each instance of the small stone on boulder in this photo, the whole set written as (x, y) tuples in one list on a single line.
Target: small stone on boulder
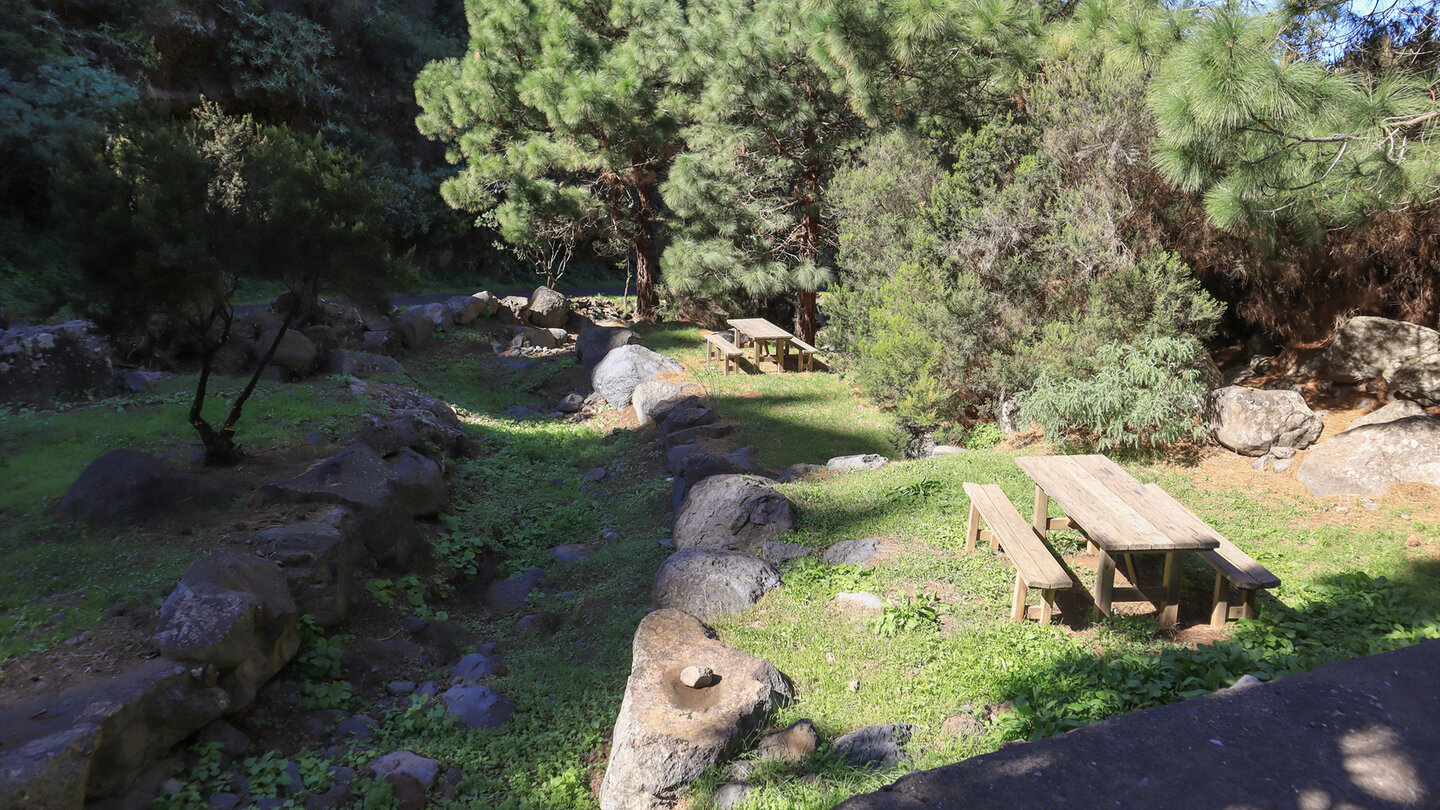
[(666, 736)]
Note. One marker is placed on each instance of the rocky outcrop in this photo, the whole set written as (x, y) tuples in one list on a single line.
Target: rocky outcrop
[(732, 513), (867, 461), (296, 354), (655, 396), (1416, 378), (319, 564), (548, 309), (1365, 346), (1368, 460), (594, 342), (626, 367), (234, 612), (358, 479), (667, 733), (126, 487), (709, 584), (361, 364), (40, 362), (1399, 409), (95, 740), (1254, 422)]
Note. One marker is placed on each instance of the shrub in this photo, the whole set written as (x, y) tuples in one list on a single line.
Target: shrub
[(1139, 394)]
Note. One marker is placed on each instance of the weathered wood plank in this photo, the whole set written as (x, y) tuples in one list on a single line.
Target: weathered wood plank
[(1027, 552), (1237, 566)]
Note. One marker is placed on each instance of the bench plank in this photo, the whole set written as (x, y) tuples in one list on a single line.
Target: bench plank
[(724, 345), (1237, 566), (1027, 552)]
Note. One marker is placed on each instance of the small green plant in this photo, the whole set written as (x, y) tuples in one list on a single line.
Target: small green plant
[(808, 579), (984, 436), (914, 615), (917, 492), (461, 552), (335, 694), (383, 590)]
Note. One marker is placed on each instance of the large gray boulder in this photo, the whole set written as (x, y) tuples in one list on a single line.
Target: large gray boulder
[(1416, 378), (319, 564), (667, 733), (419, 483), (418, 323), (732, 513), (421, 422), (40, 362), (694, 467), (359, 480), (626, 367), (1365, 346), (296, 353), (594, 342), (94, 740), (464, 309), (356, 476), (1369, 459), (1399, 409), (654, 396), (125, 487), (1253, 422), (708, 584), (548, 309), (232, 611)]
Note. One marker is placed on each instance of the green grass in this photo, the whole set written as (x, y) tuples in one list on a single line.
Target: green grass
[(60, 579), (792, 418)]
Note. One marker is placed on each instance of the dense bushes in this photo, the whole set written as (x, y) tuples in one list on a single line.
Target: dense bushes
[(1020, 273)]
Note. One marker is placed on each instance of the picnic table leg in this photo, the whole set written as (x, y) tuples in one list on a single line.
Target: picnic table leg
[(1104, 584), (972, 528), (1170, 608), (1042, 511), (1017, 611), (757, 353), (782, 353), (1220, 608)]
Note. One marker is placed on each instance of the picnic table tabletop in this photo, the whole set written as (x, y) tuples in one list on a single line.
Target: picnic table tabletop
[(759, 329), (1113, 509)]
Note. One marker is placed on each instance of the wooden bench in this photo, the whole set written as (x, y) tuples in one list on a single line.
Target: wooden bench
[(1035, 565), (805, 360), (717, 347), (1233, 568)]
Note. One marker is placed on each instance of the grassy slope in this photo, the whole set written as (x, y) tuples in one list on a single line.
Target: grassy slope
[(60, 578), (526, 493)]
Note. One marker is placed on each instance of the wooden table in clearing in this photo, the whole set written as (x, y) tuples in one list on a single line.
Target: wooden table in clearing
[(760, 331), (1120, 519)]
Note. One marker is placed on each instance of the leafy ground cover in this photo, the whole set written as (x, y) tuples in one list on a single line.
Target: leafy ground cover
[(1357, 580), (59, 579)]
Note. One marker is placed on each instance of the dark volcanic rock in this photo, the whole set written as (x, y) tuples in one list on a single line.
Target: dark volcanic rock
[(125, 487)]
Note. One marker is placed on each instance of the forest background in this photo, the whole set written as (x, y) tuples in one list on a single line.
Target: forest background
[(1052, 211)]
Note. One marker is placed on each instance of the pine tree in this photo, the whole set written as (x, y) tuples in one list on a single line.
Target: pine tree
[(789, 95), (1282, 144), (565, 117)]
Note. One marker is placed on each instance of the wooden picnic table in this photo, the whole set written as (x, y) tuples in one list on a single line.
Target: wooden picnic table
[(760, 331), (1119, 518)]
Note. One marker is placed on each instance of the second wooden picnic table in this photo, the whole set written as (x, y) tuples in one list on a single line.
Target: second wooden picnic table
[(760, 331), (1120, 518)]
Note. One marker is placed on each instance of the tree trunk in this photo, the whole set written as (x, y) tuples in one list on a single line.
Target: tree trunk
[(807, 316), (647, 300), (220, 447)]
